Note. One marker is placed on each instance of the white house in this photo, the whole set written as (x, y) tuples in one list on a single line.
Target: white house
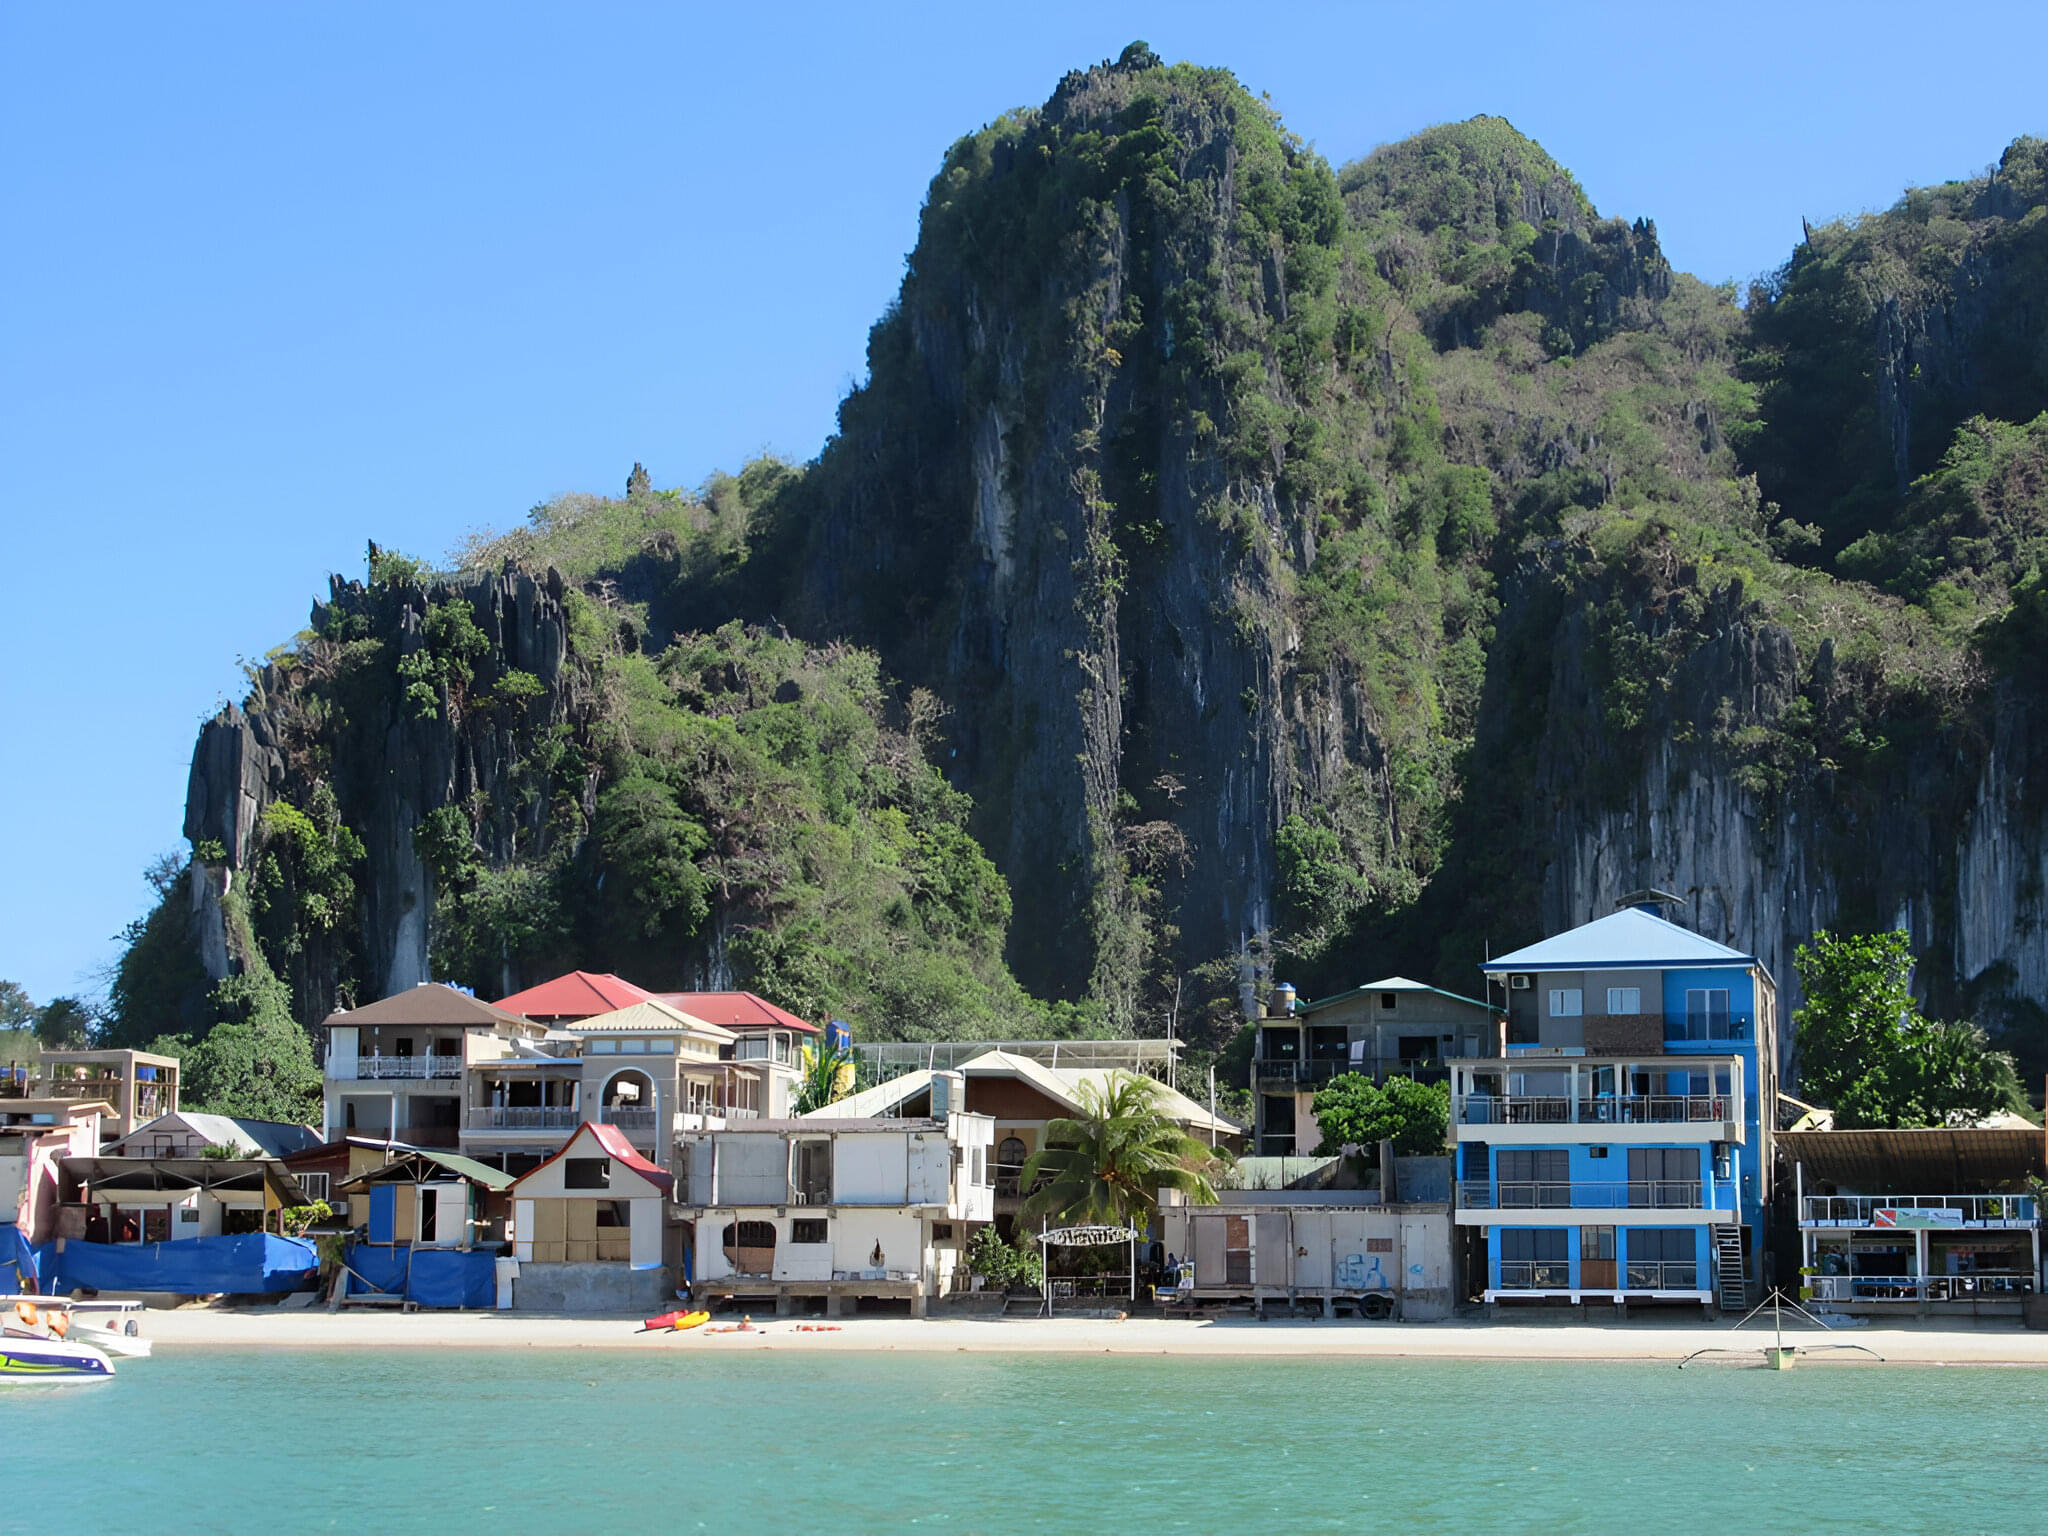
[(868, 1210)]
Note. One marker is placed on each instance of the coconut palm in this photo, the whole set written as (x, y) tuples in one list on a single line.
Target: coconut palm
[(1109, 1164), (828, 1074)]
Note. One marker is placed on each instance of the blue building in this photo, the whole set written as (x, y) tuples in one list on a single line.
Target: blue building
[(1620, 1146)]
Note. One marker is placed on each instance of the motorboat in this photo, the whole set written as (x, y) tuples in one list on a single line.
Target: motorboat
[(114, 1326), (35, 1349)]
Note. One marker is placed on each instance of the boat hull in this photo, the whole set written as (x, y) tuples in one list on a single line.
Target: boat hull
[(127, 1346), (37, 1362)]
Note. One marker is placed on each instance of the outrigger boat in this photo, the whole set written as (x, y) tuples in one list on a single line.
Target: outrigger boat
[(35, 1351)]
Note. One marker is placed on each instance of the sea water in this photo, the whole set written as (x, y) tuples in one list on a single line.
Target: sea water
[(581, 1440)]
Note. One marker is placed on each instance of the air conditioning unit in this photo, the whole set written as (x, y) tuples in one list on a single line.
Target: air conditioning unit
[(1521, 983)]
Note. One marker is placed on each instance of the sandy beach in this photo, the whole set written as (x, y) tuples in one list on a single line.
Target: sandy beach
[(177, 1331)]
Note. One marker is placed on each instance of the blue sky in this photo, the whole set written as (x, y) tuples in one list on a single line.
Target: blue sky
[(281, 279)]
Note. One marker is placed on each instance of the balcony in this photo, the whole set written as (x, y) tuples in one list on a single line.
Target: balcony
[(440, 1137), (1938, 1213), (1291, 1072), (1631, 1195), (516, 1117), (1691, 1028), (1622, 1109), (1988, 1285), (628, 1120), (395, 1068), (1540, 1275), (1666, 1276)]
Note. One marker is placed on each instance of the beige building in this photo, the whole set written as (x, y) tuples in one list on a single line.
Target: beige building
[(396, 1068), (139, 1086), (590, 1228), (652, 1070)]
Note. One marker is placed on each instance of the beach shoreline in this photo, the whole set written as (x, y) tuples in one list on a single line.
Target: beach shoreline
[(185, 1329)]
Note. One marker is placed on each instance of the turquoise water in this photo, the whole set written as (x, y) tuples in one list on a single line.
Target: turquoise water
[(545, 1440)]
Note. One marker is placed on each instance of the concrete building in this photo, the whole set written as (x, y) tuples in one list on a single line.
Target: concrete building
[(189, 1134), (1389, 1028), (36, 1135), (1021, 1095), (1620, 1146), (835, 1210), (139, 1086), (652, 1069), (396, 1068)]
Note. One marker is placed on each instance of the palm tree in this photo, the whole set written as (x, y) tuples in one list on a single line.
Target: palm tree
[(1109, 1165), (828, 1076)]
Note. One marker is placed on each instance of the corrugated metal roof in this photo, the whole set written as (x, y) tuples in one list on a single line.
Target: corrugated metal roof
[(1621, 941), (429, 1003), (737, 1010), (1391, 984), (1936, 1160)]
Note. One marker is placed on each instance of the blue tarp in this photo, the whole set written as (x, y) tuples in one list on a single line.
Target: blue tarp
[(191, 1266), (432, 1277), (18, 1258)]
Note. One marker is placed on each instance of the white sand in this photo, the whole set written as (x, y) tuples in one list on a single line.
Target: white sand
[(1988, 1344)]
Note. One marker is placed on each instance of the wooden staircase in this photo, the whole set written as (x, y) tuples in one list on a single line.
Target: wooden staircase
[(1731, 1285)]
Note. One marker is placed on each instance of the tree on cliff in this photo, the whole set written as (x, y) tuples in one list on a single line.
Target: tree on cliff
[(1865, 1050), (256, 1063)]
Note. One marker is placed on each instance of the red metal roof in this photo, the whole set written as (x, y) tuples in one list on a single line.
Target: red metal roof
[(578, 995), (735, 1010), (616, 1147)]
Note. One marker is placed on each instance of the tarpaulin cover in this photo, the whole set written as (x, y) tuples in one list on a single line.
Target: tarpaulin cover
[(18, 1259), (432, 1277), (191, 1266)]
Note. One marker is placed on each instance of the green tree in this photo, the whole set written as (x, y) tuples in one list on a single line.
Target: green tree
[(1353, 1111), (1865, 1050), (828, 1076), (256, 1063), (159, 986), (17, 1010), (64, 1024), (1109, 1164)]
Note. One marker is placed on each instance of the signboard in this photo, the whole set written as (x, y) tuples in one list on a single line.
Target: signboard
[(1933, 1217), (1087, 1237)]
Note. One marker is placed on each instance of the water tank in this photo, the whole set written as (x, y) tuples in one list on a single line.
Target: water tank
[(1283, 1000)]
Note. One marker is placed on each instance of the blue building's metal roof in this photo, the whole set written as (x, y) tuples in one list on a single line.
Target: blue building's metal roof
[(1628, 940)]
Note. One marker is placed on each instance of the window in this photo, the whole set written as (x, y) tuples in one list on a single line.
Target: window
[(661, 1047), (1663, 1245), (1596, 1151), (1379, 1245), (1567, 1002), (587, 1173), (634, 1047), (314, 1184), (1523, 1245), (604, 1047), (810, 1229), (614, 1213), (1663, 1176), (1596, 1242), (1387, 1001), (813, 1173), (942, 1231), (1706, 1014), (1534, 1176), (1624, 1000)]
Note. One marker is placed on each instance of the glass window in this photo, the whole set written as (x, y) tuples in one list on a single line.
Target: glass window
[(633, 1047), (1534, 1244), (1567, 1002), (603, 1047), (1596, 1242), (661, 1047), (809, 1229), (1706, 1013), (1624, 1000), (587, 1173)]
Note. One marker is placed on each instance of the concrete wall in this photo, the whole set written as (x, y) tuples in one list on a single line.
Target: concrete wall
[(854, 1234), (594, 1288)]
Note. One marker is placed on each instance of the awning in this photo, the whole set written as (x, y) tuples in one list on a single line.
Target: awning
[(1932, 1161), (182, 1175), (420, 1166)]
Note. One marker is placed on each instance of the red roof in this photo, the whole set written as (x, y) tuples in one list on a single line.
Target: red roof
[(616, 1147), (578, 995), (735, 1010)]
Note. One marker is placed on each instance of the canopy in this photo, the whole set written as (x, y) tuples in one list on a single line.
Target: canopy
[(143, 1175)]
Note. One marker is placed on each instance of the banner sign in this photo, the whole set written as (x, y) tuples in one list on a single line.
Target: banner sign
[(1907, 1217)]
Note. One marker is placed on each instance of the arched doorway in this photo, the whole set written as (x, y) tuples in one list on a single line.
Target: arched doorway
[(1010, 1158), (629, 1100)]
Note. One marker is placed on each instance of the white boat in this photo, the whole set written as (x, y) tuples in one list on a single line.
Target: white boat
[(110, 1326), (28, 1359)]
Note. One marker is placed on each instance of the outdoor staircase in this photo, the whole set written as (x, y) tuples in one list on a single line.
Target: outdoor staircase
[(1731, 1285)]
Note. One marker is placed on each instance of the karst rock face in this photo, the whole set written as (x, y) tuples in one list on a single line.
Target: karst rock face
[(1409, 538)]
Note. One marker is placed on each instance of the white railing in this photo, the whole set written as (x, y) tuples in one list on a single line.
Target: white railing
[(374, 1068), (1991, 1284), (1635, 1194), (526, 1117), (1536, 1275), (1622, 1109), (1911, 1211), (1669, 1275)]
